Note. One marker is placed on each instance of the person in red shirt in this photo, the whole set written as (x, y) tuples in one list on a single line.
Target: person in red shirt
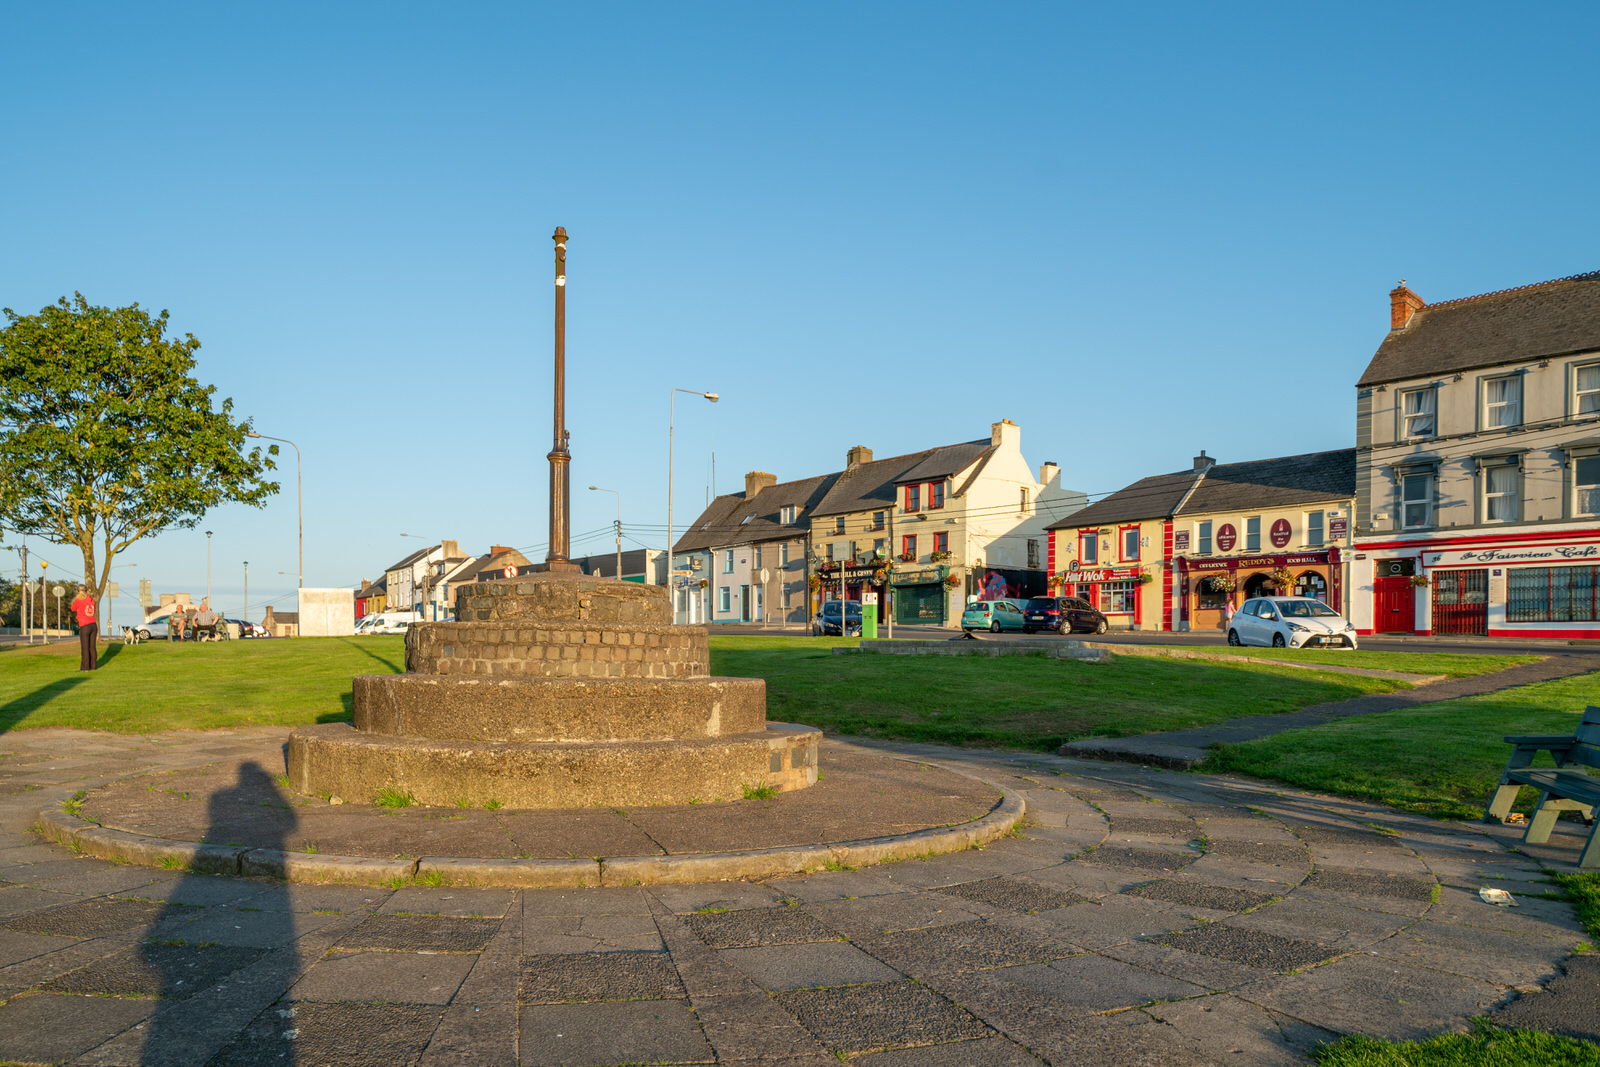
[(88, 629)]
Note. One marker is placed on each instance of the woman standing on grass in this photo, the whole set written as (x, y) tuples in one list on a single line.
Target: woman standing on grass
[(88, 629)]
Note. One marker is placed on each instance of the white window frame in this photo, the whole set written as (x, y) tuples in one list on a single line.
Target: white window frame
[(786, 514), (724, 599), (1252, 533), (783, 554), (1591, 456), (1202, 538), (727, 561), (1428, 411), (1316, 525), (1488, 468), (1580, 394), (757, 557), (1430, 483), (1489, 409)]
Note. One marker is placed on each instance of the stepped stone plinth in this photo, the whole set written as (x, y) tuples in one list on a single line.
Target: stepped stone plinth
[(555, 691)]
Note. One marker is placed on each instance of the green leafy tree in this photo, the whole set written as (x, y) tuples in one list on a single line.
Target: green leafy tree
[(106, 437)]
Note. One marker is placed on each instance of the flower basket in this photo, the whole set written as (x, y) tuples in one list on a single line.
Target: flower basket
[(704, 583), (951, 581), (1222, 583), (1419, 580), (1282, 578), (880, 577), (907, 557), (938, 557), (814, 584), (1145, 578)]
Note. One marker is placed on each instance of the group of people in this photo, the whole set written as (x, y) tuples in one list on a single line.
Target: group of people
[(189, 624), (183, 624)]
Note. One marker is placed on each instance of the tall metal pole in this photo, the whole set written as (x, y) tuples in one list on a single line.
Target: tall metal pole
[(557, 559), (246, 590), (27, 600), (672, 413), (208, 567), (597, 489), (299, 497)]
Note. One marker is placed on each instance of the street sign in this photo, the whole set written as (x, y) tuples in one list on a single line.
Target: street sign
[(58, 592), (510, 571), (146, 599), (765, 575), (112, 589)]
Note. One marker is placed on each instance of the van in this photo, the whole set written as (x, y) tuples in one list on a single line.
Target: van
[(386, 622)]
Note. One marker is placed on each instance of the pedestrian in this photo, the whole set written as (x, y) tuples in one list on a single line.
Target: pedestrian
[(88, 630), (1227, 612)]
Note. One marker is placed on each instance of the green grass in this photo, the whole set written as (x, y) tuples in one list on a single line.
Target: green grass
[(1454, 666), (1442, 760), (161, 686), (1583, 889), (1487, 1046), (1016, 702), (760, 792), (390, 797)]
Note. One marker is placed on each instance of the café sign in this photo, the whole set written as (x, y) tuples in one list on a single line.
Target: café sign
[(1479, 557), (1115, 574)]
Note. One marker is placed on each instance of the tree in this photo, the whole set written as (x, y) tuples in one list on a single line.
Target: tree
[(106, 437)]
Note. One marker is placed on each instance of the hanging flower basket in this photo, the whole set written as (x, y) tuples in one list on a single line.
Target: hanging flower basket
[(1145, 578), (1222, 583), (704, 583), (880, 577), (1419, 580), (1282, 578), (951, 581), (814, 584)]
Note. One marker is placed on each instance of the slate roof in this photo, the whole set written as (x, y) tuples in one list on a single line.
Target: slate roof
[(1553, 318), (604, 564), (418, 554), (872, 485), (1257, 484), (488, 566), (733, 520)]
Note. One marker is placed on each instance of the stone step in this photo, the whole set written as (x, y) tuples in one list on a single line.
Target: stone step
[(337, 759), (534, 710), (547, 649)]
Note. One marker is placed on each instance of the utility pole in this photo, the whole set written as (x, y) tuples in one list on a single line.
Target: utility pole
[(208, 567), (27, 615), (246, 590), (560, 458)]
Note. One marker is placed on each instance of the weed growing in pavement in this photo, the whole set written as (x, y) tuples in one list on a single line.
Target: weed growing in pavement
[(1487, 1045), (709, 909), (171, 863), (432, 878), (492, 804), (390, 797), (282, 780), (764, 791)]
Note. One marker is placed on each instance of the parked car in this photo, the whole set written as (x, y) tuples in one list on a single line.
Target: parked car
[(1290, 622), (248, 628), (386, 622), (993, 615), (1063, 614), (827, 620)]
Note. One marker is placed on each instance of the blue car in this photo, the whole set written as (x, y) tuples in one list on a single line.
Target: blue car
[(994, 616)]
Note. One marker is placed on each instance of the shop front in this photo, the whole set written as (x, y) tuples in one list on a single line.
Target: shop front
[(1206, 585), (854, 581), (1113, 590), (921, 596), (1527, 590)]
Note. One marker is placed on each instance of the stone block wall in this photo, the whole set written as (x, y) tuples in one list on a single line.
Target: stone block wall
[(558, 650), (561, 598)]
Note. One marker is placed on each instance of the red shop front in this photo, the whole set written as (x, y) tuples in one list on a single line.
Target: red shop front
[(1114, 590), (1206, 584)]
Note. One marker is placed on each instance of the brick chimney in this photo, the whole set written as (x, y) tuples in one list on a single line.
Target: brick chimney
[(1005, 432), (756, 481), (1202, 461), (1403, 304), (495, 550), (857, 456)]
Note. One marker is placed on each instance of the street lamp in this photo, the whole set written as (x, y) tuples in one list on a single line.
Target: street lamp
[(208, 567), (246, 590), (671, 419), (597, 489), (300, 499)]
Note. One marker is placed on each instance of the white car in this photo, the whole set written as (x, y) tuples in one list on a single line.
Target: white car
[(386, 622), (1290, 622)]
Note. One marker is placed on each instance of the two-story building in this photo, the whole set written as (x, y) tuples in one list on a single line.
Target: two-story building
[(744, 558), (1478, 465), (1168, 551)]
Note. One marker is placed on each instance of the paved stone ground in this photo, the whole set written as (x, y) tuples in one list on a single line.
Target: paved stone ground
[(1182, 749), (1143, 917)]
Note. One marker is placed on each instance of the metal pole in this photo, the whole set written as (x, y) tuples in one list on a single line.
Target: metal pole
[(560, 459), (246, 590), (597, 489), (300, 502), (671, 419), (27, 615), (208, 567)]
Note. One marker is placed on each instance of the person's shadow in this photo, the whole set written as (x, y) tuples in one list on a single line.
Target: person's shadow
[(224, 947)]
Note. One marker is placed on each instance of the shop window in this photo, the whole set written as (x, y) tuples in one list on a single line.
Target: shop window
[(1502, 484), (1416, 500), (1210, 598), (1130, 544), (936, 495), (877, 520), (1552, 594), (1313, 585), (1259, 585), (1116, 598), (1089, 548), (1586, 485), (1417, 407), (1314, 528), (1205, 539), (913, 498), (1033, 554), (724, 599), (1586, 389), (1502, 402), (941, 542), (1252, 534), (727, 562), (908, 545)]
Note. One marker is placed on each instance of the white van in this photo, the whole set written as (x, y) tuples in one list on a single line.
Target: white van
[(386, 622)]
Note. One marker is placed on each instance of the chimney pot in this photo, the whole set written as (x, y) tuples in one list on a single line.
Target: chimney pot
[(1403, 304), (1202, 461)]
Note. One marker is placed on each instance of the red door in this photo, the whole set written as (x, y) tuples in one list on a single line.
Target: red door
[(1394, 606)]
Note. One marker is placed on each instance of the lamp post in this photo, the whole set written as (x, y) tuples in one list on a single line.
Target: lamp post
[(597, 489), (246, 590), (671, 420), (299, 495), (208, 567)]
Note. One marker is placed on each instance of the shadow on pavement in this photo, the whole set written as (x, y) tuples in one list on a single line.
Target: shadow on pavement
[(224, 951)]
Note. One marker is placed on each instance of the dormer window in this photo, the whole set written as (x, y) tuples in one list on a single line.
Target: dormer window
[(1417, 408), (786, 514)]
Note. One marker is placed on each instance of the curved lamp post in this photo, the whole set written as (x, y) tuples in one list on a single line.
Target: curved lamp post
[(299, 495), (671, 419)]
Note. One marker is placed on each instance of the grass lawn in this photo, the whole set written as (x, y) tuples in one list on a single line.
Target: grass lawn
[(161, 686), (1455, 666), (1487, 1046), (1025, 702), (1441, 759)]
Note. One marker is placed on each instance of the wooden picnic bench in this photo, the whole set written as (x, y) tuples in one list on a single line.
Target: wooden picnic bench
[(1568, 786)]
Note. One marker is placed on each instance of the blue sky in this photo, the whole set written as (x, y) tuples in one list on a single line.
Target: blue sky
[(1136, 231)]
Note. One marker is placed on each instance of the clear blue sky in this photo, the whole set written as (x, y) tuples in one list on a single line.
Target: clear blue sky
[(1136, 231)]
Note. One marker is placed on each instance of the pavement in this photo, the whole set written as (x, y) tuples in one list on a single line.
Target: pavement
[(1182, 749), (1138, 916)]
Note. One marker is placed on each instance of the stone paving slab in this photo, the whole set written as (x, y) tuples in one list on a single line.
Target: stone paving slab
[(1030, 950)]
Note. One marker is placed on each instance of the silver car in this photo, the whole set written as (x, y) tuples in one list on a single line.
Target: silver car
[(1290, 622)]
